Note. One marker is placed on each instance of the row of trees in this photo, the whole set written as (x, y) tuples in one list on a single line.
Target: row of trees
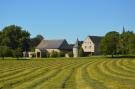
[(14, 40), (114, 43)]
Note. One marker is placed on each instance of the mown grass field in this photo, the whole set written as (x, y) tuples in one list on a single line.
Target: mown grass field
[(81, 73)]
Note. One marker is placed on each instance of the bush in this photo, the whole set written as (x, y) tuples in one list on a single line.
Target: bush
[(46, 54), (61, 54), (81, 52), (70, 54), (17, 53), (54, 54), (5, 51)]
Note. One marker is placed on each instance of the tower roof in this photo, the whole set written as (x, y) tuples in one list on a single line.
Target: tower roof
[(76, 44)]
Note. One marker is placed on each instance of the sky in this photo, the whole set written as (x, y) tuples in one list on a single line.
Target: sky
[(68, 19)]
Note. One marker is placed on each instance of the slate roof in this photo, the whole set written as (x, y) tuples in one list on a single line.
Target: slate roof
[(71, 46), (96, 39), (53, 44)]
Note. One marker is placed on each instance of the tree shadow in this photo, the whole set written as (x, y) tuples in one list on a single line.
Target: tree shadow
[(127, 56)]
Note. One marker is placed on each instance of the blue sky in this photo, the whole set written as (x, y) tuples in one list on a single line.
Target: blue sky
[(69, 19)]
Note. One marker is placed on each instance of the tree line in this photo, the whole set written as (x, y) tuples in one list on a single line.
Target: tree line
[(115, 43), (14, 40)]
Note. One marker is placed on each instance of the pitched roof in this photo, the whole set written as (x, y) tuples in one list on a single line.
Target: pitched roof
[(53, 44), (96, 39)]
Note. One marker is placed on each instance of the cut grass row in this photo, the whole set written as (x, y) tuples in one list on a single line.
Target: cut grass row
[(97, 73), (39, 81)]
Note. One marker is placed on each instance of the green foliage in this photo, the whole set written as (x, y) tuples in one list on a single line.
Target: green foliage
[(118, 44), (5, 51), (131, 46), (14, 37), (70, 54), (127, 43), (45, 54), (35, 41), (54, 54), (0, 37), (81, 52), (17, 53), (61, 54), (109, 44)]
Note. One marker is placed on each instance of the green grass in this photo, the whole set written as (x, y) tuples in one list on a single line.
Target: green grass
[(68, 73)]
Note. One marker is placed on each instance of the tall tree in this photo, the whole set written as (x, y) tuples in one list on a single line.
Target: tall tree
[(35, 41), (0, 37), (14, 37), (109, 44), (131, 45), (127, 43)]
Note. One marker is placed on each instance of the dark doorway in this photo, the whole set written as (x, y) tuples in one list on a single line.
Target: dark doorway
[(38, 54)]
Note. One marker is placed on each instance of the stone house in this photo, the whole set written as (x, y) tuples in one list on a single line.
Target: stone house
[(51, 45), (91, 45)]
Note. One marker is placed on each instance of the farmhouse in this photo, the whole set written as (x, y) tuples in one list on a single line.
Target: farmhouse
[(50, 46), (91, 45)]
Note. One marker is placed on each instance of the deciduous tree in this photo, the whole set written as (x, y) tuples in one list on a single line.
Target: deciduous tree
[(109, 44)]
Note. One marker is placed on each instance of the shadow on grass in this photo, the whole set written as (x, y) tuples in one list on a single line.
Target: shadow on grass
[(122, 56)]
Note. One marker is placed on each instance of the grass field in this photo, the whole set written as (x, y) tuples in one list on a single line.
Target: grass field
[(81, 73)]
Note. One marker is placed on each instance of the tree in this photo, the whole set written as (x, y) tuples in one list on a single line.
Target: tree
[(109, 44), (131, 45), (127, 43), (35, 41), (0, 37), (81, 52), (4, 51), (14, 37), (17, 53)]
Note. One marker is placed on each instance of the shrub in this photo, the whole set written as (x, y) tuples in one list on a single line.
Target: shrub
[(5, 51), (81, 52), (17, 53), (70, 54), (61, 54), (54, 54)]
